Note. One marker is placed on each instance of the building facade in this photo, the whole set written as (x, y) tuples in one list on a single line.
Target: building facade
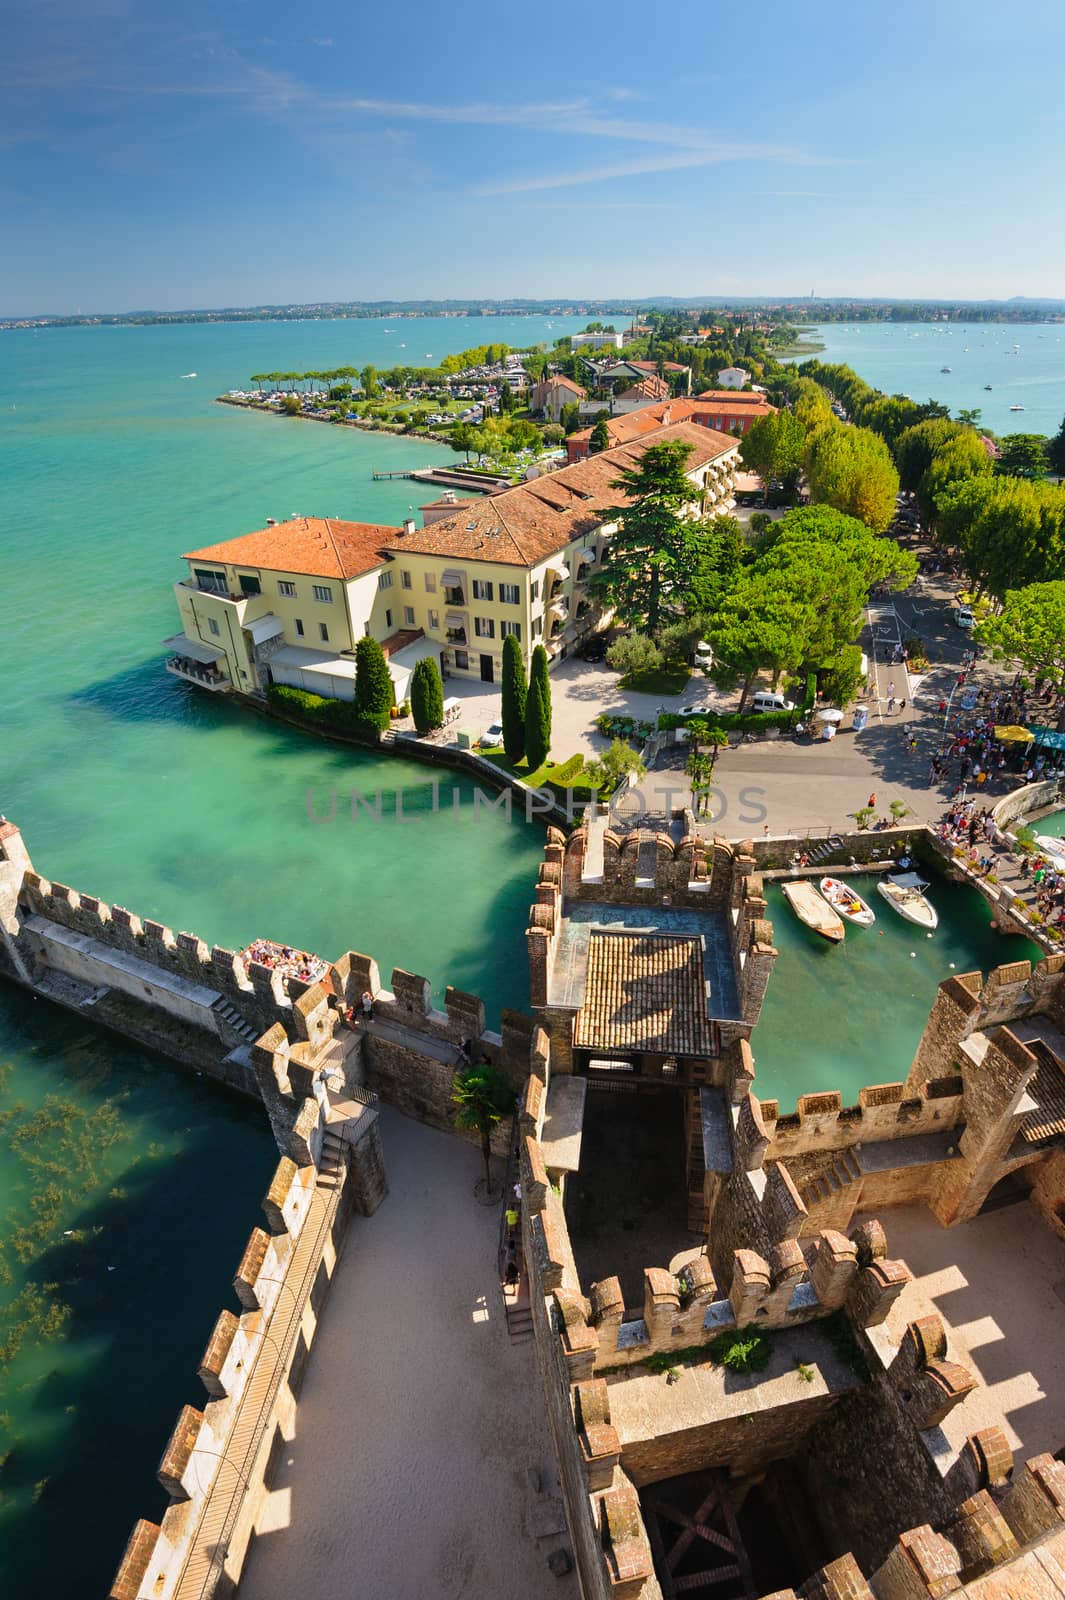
[(289, 603)]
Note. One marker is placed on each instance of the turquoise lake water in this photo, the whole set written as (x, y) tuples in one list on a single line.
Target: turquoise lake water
[(907, 357), (842, 1016), (132, 785)]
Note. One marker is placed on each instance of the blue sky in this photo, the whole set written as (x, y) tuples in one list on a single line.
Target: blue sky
[(243, 152)]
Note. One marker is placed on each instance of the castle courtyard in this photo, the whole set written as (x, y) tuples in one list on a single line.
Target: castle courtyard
[(998, 1282), (420, 1424)]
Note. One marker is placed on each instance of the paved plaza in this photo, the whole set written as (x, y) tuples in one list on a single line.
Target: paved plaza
[(802, 787)]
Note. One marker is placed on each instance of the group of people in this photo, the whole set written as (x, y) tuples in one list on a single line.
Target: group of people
[(970, 828), (1048, 881), (299, 964)]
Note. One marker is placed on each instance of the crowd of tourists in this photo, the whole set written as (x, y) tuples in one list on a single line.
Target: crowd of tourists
[(298, 964)]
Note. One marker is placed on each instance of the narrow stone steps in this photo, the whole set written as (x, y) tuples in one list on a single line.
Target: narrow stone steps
[(233, 1019)]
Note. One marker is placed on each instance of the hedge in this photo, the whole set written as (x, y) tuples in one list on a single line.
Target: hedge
[(324, 713), (747, 721)]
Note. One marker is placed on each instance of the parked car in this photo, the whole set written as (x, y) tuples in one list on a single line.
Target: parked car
[(694, 711), (494, 734), (964, 618)]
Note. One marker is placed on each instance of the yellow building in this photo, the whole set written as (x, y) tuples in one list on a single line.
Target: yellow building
[(288, 603)]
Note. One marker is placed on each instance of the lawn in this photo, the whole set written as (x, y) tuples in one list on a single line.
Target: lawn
[(545, 777), (670, 678)]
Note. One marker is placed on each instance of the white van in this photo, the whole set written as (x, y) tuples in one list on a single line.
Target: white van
[(766, 701)]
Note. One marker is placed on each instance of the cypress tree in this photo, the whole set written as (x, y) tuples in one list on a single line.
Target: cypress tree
[(538, 672), (538, 712), (515, 692), (374, 694), (427, 695)]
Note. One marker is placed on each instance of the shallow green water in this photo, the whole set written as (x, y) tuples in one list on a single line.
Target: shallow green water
[(1053, 826), (843, 1016), (128, 1191), (134, 786)]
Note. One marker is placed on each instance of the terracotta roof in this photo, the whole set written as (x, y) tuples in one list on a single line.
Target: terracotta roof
[(524, 525), (318, 546), (636, 424), (560, 382), (732, 397), (400, 640), (650, 388), (644, 991), (652, 366)]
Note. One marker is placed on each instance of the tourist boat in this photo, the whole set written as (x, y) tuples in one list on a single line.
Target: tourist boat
[(816, 913), (842, 898), (902, 892)]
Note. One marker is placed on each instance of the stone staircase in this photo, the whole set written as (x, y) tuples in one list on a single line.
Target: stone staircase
[(827, 848), (234, 1021), (825, 1197), (331, 1166)]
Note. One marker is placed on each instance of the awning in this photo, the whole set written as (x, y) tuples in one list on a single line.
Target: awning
[(559, 608), (452, 579), (263, 628), (195, 649), (455, 619), (297, 655), (559, 568)]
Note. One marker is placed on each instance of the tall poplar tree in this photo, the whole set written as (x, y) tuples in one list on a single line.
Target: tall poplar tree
[(538, 712)]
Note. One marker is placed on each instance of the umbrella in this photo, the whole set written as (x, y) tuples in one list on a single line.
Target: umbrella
[(1013, 733), (830, 715)]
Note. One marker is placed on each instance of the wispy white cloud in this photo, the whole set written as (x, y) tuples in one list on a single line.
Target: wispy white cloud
[(322, 44), (675, 161)]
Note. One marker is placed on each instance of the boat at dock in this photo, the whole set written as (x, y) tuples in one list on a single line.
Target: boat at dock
[(903, 893), (814, 911), (842, 898)]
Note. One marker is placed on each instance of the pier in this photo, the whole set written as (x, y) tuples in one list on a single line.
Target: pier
[(449, 478)]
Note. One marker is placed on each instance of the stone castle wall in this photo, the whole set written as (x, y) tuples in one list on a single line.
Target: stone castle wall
[(205, 1007), (217, 1466)]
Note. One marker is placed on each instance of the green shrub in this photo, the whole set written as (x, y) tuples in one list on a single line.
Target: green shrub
[(634, 653), (374, 690), (566, 773), (741, 1349), (332, 715)]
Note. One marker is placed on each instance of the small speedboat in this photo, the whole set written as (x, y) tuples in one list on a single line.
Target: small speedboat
[(815, 912), (944, 369), (987, 386), (1016, 408), (902, 891), (842, 898)]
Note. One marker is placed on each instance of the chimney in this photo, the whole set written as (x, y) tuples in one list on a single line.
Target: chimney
[(408, 526)]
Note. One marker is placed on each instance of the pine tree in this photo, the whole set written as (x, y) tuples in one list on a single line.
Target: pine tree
[(427, 695), (374, 694), (538, 712), (600, 439), (515, 693)]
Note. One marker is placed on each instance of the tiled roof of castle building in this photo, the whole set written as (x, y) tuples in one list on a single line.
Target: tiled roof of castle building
[(644, 991), (321, 547), (524, 525)]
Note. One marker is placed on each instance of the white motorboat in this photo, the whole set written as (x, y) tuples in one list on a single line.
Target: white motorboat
[(842, 898), (816, 913), (902, 891), (1048, 845), (1016, 408)]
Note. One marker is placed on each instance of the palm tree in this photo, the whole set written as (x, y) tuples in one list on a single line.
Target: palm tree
[(483, 1098)]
